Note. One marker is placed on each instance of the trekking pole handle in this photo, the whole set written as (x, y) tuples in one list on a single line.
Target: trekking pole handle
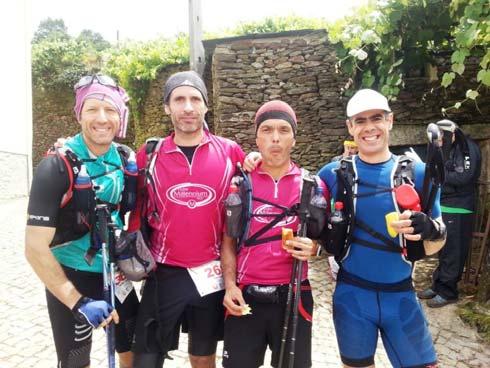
[(308, 185), (433, 133)]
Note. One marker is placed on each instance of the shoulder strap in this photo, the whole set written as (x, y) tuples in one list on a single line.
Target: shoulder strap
[(405, 171), (67, 161), (124, 152), (152, 148), (346, 192), (286, 211)]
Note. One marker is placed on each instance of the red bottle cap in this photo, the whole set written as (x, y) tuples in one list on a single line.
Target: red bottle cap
[(339, 206)]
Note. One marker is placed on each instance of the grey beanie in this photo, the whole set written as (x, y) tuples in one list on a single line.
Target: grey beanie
[(188, 78)]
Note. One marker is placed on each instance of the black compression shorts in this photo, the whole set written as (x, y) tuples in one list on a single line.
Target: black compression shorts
[(171, 300), (73, 340), (247, 337)]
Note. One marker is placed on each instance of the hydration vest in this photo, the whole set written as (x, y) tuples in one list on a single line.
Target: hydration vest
[(77, 207), (347, 187), (315, 220)]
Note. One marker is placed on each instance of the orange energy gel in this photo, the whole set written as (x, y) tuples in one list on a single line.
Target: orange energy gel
[(287, 234)]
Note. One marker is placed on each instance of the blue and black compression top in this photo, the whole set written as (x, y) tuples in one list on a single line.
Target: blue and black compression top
[(365, 262)]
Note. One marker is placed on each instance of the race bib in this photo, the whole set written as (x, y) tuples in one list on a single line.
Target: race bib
[(123, 286), (207, 278)]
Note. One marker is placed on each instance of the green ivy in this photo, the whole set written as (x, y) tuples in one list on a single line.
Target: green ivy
[(386, 41), (136, 64)]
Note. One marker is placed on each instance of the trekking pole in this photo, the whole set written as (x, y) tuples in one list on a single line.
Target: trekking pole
[(287, 313), (105, 225), (295, 282), (434, 168)]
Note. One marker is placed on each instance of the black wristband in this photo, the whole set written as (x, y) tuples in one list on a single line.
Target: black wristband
[(81, 301), (80, 317)]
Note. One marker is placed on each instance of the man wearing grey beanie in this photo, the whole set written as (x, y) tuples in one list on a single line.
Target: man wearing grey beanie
[(187, 180)]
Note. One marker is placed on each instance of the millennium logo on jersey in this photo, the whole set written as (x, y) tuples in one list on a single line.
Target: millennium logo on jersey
[(267, 209), (191, 195)]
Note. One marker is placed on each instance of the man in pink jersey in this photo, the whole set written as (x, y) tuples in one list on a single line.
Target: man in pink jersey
[(257, 275), (190, 175)]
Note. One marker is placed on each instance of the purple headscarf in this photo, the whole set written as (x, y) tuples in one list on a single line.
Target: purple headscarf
[(116, 96)]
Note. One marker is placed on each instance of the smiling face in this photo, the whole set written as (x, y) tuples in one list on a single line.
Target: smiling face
[(100, 121), (275, 140), (186, 108), (371, 132)]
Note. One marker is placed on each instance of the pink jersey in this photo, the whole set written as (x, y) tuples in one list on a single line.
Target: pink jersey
[(188, 225), (268, 263)]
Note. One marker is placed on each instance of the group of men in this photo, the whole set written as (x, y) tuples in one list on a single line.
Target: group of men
[(183, 182)]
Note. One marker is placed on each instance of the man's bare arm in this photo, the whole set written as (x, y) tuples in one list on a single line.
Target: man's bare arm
[(47, 268), (233, 300)]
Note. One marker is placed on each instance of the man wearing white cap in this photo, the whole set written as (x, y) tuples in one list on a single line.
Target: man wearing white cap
[(374, 292), (458, 198)]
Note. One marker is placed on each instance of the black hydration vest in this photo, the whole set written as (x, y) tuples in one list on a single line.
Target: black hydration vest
[(347, 184), (315, 222), (77, 208)]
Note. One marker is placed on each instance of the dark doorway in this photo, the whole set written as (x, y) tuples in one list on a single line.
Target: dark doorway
[(420, 150)]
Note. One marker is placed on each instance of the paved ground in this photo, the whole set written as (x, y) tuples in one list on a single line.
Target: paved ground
[(25, 335)]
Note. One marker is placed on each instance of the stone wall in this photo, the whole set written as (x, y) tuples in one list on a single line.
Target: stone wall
[(296, 67), (299, 68), (154, 122), (53, 117)]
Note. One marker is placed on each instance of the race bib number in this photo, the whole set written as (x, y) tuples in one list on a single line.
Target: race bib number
[(123, 286), (208, 278)]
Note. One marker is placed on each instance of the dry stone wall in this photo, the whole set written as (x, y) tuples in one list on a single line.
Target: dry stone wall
[(296, 67), (53, 117), (299, 68)]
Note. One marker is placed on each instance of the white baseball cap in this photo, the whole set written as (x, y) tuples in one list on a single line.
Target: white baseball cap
[(366, 99)]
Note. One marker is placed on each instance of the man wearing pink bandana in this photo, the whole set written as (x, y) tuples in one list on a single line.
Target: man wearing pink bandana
[(59, 235)]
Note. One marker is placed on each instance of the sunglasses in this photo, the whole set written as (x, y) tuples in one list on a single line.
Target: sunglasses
[(101, 79)]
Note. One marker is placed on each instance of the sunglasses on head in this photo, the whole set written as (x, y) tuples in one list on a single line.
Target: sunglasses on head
[(101, 79)]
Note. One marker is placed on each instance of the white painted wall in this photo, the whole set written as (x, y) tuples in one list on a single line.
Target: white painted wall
[(15, 99)]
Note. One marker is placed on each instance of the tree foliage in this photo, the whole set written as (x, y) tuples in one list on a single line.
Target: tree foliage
[(135, 64), (377, 47), (93, 39), (277, 24), (52, 29), (58, 64), (388, 40)]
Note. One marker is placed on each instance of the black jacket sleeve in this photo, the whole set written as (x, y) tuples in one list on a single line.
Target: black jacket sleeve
[(50, 182)]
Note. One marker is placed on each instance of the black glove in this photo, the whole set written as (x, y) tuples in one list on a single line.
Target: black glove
[(427, 227)]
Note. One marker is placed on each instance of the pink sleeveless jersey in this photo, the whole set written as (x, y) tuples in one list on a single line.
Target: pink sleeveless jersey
[(188, 225), (268, 263)]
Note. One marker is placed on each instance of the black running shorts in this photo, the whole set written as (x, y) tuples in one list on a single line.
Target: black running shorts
[(73, 340), (170, 300), (247, 337)]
